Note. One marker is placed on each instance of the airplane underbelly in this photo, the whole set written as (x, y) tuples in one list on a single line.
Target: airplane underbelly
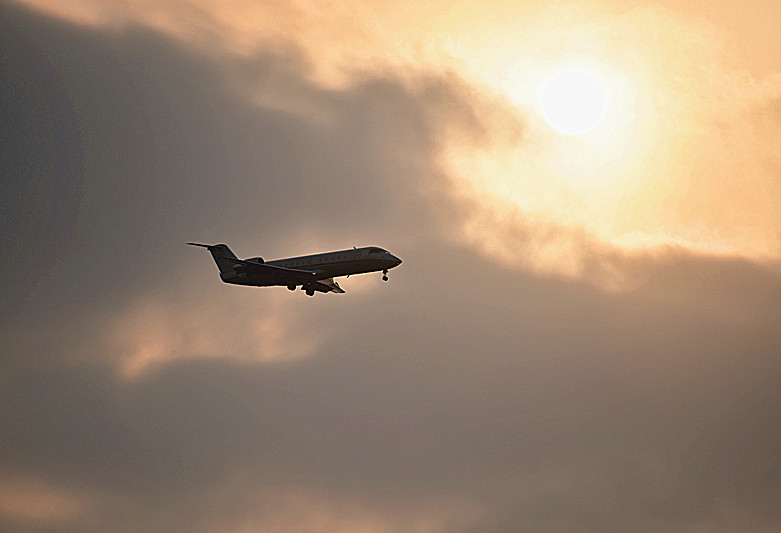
[(253, 280)]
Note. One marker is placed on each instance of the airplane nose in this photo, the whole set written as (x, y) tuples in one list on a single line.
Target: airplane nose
[(398, 261)]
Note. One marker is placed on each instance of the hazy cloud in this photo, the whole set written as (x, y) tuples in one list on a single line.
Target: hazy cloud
[(467, 394)]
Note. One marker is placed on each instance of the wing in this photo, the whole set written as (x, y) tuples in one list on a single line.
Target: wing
[(285, 276), (279, 274), (328, 285)]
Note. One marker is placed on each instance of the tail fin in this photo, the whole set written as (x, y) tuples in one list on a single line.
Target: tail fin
[(220, 252)]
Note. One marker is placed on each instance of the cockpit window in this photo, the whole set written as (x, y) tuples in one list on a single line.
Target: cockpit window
[(376, 251)]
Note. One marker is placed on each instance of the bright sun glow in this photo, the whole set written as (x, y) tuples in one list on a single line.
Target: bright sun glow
[(573, 102)]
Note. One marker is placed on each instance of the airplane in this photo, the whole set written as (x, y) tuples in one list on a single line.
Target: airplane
[(313, 273)]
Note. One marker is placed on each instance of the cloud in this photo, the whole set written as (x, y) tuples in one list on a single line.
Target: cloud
[(680, 160), (467, 394), (536, 403), (34, 503), (279, 509), (155, 331)]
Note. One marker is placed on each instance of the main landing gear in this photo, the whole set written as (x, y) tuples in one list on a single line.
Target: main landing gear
[(310, 289), (385, 275)]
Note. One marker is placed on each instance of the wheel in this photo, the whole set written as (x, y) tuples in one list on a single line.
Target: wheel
[(384, 278), (291, 287), (310, 292)]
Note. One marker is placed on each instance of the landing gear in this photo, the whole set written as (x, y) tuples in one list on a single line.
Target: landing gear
[(291, 287), (310, 291), (385, 275)]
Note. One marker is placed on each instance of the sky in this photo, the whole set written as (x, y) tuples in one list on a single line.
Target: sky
[(585, 334)]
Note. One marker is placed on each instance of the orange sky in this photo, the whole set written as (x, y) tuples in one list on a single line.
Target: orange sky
[(583, 336), (687, 151)]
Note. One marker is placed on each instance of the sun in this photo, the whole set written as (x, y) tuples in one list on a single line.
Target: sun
[(573, 102)]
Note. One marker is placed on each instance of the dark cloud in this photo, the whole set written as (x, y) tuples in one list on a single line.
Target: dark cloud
[(166, 148), (462, 395), (41, 164)]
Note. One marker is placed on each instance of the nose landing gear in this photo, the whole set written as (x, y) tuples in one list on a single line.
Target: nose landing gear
[(385, 275)]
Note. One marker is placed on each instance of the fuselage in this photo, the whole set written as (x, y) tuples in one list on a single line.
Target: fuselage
[(323, 266)]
